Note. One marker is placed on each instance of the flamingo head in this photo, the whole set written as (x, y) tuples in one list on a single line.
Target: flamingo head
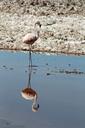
[(38, 24), (35, 105), (37, 28)]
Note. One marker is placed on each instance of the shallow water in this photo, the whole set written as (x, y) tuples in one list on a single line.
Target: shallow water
[(59, 81)]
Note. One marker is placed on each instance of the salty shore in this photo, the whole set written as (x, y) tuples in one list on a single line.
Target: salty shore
[(59, 33)]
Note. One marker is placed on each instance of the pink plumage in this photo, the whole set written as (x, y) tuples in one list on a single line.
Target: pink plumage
[(30, 38)]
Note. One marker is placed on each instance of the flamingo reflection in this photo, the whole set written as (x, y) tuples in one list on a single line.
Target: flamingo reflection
[(28, 93)]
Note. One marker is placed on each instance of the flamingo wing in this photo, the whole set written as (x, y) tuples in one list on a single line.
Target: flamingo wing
[(30, 38)]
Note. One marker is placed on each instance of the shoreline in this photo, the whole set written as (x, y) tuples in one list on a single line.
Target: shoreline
[(44, 52), (59, 34)]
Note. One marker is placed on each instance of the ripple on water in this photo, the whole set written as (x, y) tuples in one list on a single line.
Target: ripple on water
[(8, 124)]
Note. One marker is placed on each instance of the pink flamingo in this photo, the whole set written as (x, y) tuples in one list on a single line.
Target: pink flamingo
[(30, 38), (28, 93)]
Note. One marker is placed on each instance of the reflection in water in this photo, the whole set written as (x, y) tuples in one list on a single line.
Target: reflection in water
[(62, 95), (28, 93)]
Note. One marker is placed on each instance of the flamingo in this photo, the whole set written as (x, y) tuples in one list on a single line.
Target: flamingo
[(30, 38), (30, 94)]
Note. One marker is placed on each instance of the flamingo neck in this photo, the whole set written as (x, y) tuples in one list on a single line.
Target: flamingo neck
[(35, 100), (37, 30)]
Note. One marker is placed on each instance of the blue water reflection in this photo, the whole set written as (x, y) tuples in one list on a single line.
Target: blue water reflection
[(60, 94)]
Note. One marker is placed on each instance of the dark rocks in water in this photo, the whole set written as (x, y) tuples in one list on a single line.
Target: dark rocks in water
[(48, 74), (67, 71), (11, 68), (73, 72), (69, 65), (46, 63), (4, 66)]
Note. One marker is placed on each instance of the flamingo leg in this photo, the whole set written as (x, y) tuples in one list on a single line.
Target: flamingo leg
[(30, 59), (29, 80), (30, 70), (30, 56)]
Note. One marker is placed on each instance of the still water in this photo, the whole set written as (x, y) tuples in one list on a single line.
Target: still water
[(59, 81)]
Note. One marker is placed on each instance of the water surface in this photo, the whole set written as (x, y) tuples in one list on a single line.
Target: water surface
[(59, 81)]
